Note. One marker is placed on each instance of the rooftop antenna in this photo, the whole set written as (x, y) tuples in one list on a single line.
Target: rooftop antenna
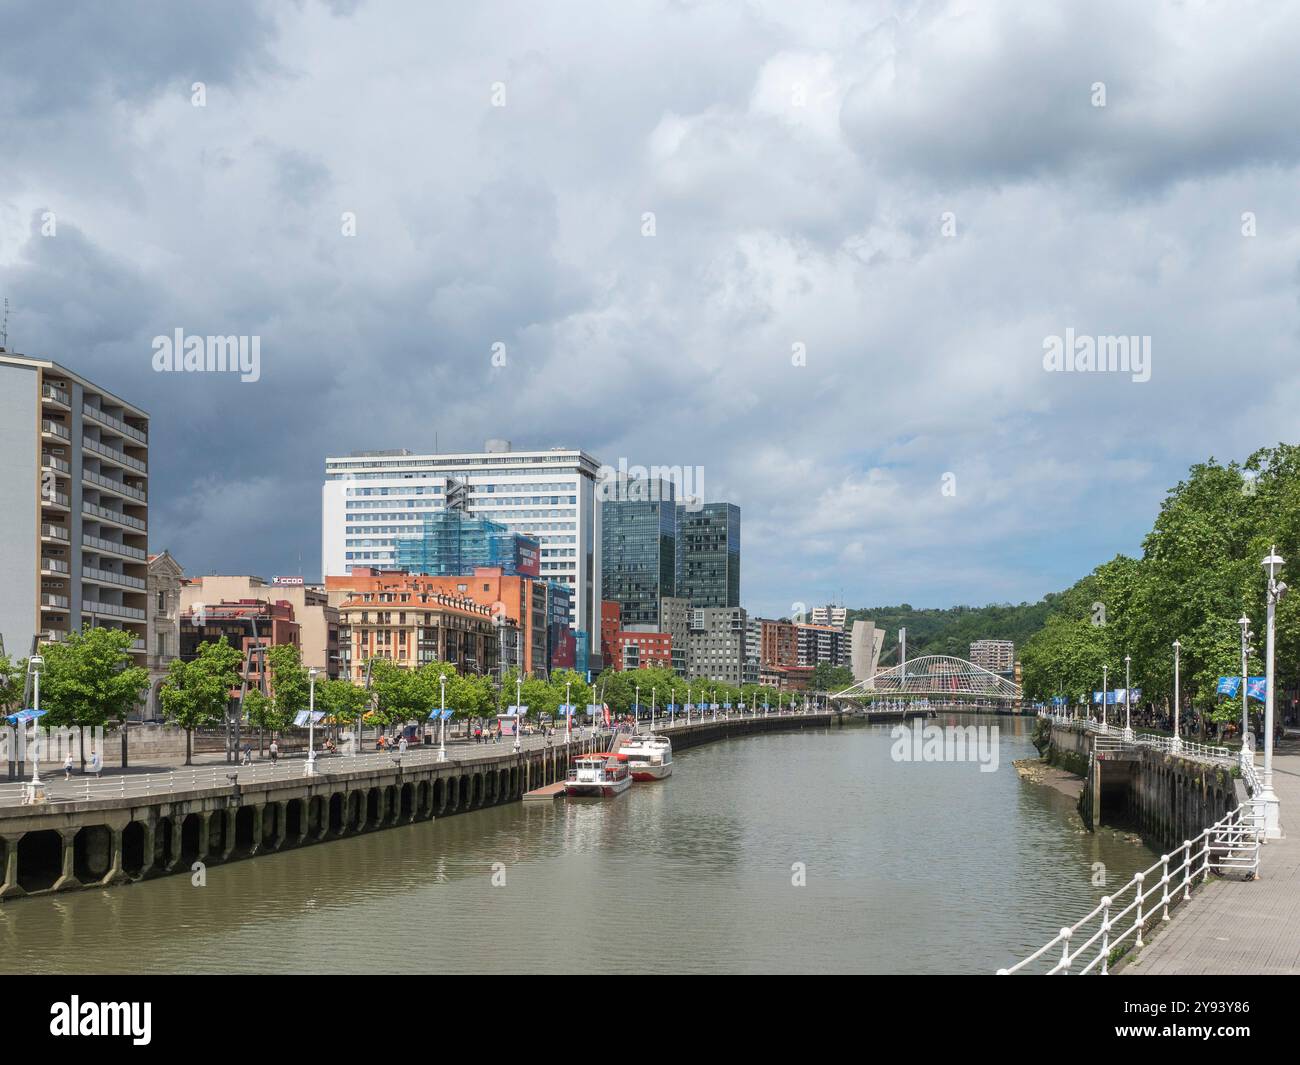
[(4, 328)]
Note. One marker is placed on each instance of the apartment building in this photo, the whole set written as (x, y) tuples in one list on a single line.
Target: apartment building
[(74, 512)]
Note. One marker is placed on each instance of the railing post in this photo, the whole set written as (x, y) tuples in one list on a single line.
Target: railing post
[(1139, 877), (1187, 869), (1065, 952), (1105, 936), (1164, 880)]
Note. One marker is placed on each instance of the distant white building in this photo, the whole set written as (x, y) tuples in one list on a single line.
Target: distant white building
[(371, 499), (836, 616)]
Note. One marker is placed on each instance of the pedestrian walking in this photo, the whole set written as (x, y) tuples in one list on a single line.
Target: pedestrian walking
[(401, 747), (95, 764), (67, 767), (275, 752), (248, 754)]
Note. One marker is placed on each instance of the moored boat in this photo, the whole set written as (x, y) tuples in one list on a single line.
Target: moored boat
[(600, 775), (649, 757)]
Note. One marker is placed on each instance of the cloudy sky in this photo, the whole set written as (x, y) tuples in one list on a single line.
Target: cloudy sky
[(814, 247)]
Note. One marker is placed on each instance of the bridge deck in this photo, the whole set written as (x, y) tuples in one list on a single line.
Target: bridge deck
[(1232, 926)]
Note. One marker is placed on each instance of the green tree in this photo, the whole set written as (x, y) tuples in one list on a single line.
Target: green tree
[(89, 681), (197, 693)]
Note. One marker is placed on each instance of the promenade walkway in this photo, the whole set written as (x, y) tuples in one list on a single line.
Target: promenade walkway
[(212, 771), (1236, 927)]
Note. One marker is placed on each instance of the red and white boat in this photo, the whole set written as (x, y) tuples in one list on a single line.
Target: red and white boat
[(599, 775), (649, 757)]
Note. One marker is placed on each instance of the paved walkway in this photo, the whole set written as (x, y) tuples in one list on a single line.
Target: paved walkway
[(1233, 927)]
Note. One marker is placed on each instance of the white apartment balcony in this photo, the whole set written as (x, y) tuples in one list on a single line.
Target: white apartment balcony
[(56, 396), (116, 516), (121, 458), (117, 580), (56, 500), (55, 566), (115, 424), (54, 430), (108, 547), (112, 610), (121, 488), (50, 601), (55, 533), (54, 463)]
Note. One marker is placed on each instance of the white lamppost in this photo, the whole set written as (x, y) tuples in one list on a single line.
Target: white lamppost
[(310, 768), (1246, 634), (442, 718), (1105, 692), (636, 711), (1178, 741), (1276, 589), (652, 711), (1128, 702), (519, 701), (688, 704), (35, 790), (568, 710)]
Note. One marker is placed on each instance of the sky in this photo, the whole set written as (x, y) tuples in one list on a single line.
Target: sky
[(817, 248)]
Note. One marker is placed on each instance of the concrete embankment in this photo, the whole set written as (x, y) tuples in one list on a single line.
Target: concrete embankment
[(1165, 797), (119, 839)]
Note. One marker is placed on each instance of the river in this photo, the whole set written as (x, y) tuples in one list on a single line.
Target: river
[(786, 852)]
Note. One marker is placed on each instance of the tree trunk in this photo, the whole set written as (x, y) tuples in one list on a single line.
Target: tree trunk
[(123, 745), (189, 732), (81, 743)]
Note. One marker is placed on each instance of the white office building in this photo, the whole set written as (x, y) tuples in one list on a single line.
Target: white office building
[(371, 499)]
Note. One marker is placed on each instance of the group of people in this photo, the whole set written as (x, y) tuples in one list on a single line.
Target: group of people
[(387, 743), (93, 767)]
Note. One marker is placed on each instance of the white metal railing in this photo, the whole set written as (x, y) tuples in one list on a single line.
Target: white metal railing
[(55, 428), (56, 394), (57, 601), (1117, 922), (54, 565), (1187, 748), (54, 462), (58, 532)]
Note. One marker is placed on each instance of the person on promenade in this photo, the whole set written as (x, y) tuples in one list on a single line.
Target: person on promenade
[(95, 764), (67, 767), (275, 752), (248, 754), (401, 746)]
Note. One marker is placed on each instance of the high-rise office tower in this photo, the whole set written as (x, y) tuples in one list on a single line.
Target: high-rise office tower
[(372, 499), (708, 554), (638, 558)]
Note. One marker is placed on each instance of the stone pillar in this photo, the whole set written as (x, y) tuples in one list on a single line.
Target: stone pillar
[(203, 837), (115, 874), (227, 831), (67, 876), (256, 844), (177, 822), (281, 825), (9, 884), (150, 842)]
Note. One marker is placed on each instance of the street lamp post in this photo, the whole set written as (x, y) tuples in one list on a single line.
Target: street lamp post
[(1105, 691), (34, 792), (688, 704), (636, 711), (568, 711), (519, 701), (310, 768), (1276, 589), (652, 711), (1128, 702), (1246, 634), (1178, 741), (442, 718)]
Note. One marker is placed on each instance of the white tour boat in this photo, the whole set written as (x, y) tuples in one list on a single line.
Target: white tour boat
[(649, 757), (600, 775)]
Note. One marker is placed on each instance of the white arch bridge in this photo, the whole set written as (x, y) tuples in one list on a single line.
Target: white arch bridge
[(938, 678)]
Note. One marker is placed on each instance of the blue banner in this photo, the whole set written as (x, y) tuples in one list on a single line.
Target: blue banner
[(1096, 698), (1257, 688), (1228, 686)]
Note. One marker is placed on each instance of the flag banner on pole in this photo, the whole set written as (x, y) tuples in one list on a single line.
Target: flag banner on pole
[(1229, 686), (303, 717), (446, 714), (25, 715), (713, 706), (1257, 688), (1134, 695), (1096, 698), (594, 708), (671, 707), (605, 708), (566, 709), (726, 706)]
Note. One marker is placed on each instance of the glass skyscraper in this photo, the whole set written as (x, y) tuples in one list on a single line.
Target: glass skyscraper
[(708, 555), (638, 557)]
